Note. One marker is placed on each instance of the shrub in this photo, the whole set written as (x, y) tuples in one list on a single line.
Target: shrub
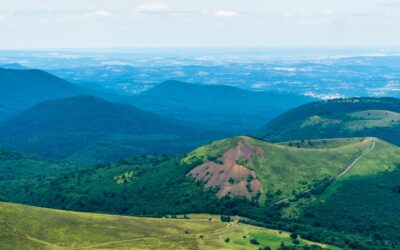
[(225, 218), (254, 242)]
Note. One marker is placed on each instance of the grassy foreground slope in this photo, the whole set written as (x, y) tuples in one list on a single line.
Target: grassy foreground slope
[(24, 227), (354, 117)]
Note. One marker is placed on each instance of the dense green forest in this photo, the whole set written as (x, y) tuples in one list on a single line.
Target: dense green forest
[(367, 206), (19, 166)]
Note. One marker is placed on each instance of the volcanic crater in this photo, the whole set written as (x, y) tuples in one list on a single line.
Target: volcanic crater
[(231, 177)]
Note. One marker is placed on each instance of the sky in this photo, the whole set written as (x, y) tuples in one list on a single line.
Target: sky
[(41, 24)]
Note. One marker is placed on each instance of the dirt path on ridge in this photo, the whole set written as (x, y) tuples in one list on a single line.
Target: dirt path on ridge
[(347, 169)]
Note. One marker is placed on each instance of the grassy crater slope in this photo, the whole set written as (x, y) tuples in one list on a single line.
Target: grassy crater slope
[(354, 117), (285, 171), (24, 227)]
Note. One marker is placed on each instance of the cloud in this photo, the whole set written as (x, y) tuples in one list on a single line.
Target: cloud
[(159, 8), (102, 13), (57, 55), (151, 8), (87, 14), (226, 13), (3, 18)]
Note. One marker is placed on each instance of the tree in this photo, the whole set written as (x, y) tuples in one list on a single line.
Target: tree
[(396, 189), (254, 242), (225, 218)]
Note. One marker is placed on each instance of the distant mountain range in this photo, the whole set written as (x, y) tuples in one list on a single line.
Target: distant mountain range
[(13, 66), (90, 129), (21, 89), (353, 117), (231, 109), (228, 108), (48, 116)]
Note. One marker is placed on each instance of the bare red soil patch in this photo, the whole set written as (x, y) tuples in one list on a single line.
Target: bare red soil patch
[(232, 177)]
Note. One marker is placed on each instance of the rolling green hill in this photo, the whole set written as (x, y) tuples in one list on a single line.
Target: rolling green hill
[(89, 129), (354, 117), (344, 185), (21, 89), (219, 107), (281, 185), (273, 172), (222, 107), (24, 227)]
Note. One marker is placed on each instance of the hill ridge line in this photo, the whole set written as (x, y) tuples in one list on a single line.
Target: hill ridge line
[(357, 159), (338, 176)]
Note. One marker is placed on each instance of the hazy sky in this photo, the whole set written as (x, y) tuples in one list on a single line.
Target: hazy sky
[(200, 23)]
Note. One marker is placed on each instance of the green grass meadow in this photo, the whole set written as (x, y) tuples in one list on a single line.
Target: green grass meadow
[(25, 227)]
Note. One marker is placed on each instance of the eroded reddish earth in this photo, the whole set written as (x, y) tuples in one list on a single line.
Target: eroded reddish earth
[(231, 178)]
